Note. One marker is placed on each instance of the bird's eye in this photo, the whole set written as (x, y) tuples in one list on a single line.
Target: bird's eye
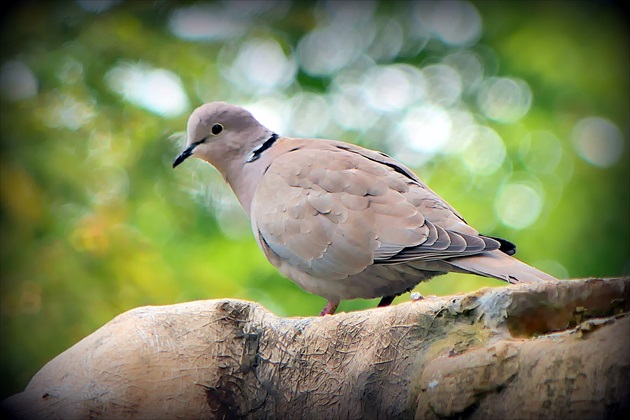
[(216, 129)]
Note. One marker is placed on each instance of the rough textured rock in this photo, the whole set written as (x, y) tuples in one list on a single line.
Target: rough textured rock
[(550, 350)]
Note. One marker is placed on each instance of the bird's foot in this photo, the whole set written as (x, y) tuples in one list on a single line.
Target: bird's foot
[(330, 308), (415, 296), (386, 301)]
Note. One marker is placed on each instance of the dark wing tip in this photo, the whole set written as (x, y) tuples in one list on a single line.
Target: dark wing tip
[(505, 246)]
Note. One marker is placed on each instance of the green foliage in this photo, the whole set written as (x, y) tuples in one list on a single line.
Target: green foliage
[(95, 222)]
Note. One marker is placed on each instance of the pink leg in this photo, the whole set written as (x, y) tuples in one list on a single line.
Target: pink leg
[(330, 308)]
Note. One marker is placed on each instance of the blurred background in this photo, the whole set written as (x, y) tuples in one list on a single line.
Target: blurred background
[(515, 112)]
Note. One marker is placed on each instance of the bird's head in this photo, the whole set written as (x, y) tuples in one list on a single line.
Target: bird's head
[(222, 133)]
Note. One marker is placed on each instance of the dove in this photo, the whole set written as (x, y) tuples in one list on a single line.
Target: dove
[(340, 220)]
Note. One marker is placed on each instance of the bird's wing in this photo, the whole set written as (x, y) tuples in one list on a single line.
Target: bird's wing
[(332, 209)]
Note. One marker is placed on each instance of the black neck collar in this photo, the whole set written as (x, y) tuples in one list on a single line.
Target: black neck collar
[(260, 149)]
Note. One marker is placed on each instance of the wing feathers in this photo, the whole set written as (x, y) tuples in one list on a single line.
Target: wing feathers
[(459, 245), (333, 212), (501, 266)]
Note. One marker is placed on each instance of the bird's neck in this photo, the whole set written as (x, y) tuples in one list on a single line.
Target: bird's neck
[(245, 173)]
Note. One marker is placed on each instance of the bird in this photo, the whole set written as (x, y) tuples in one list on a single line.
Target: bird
[(342, 221)]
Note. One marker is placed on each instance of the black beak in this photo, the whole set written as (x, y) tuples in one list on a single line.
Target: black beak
[(185, 154)]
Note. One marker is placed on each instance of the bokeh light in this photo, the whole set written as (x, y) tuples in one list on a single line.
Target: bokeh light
[(457, 23), (598, 141), (484, 151), (209, 22), (157, 90), (318, 57), (504, 99), (67, 111), (469, 67), (273, 112), (424, 129), (310, 115), (17, 81), (444, 85), (518, 204), (261, 66), (394, 87)]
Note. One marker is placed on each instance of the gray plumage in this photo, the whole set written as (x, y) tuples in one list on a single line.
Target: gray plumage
[(342, 221)]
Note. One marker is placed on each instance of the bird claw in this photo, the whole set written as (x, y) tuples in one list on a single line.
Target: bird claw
[(415, 296)]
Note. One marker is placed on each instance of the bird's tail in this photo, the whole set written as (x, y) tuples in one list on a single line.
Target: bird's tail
[(501, 266)]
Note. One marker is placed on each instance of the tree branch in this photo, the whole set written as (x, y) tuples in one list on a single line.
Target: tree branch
[(547, 350)]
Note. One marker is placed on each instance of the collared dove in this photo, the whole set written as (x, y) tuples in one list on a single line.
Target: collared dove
[(342, 221)]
